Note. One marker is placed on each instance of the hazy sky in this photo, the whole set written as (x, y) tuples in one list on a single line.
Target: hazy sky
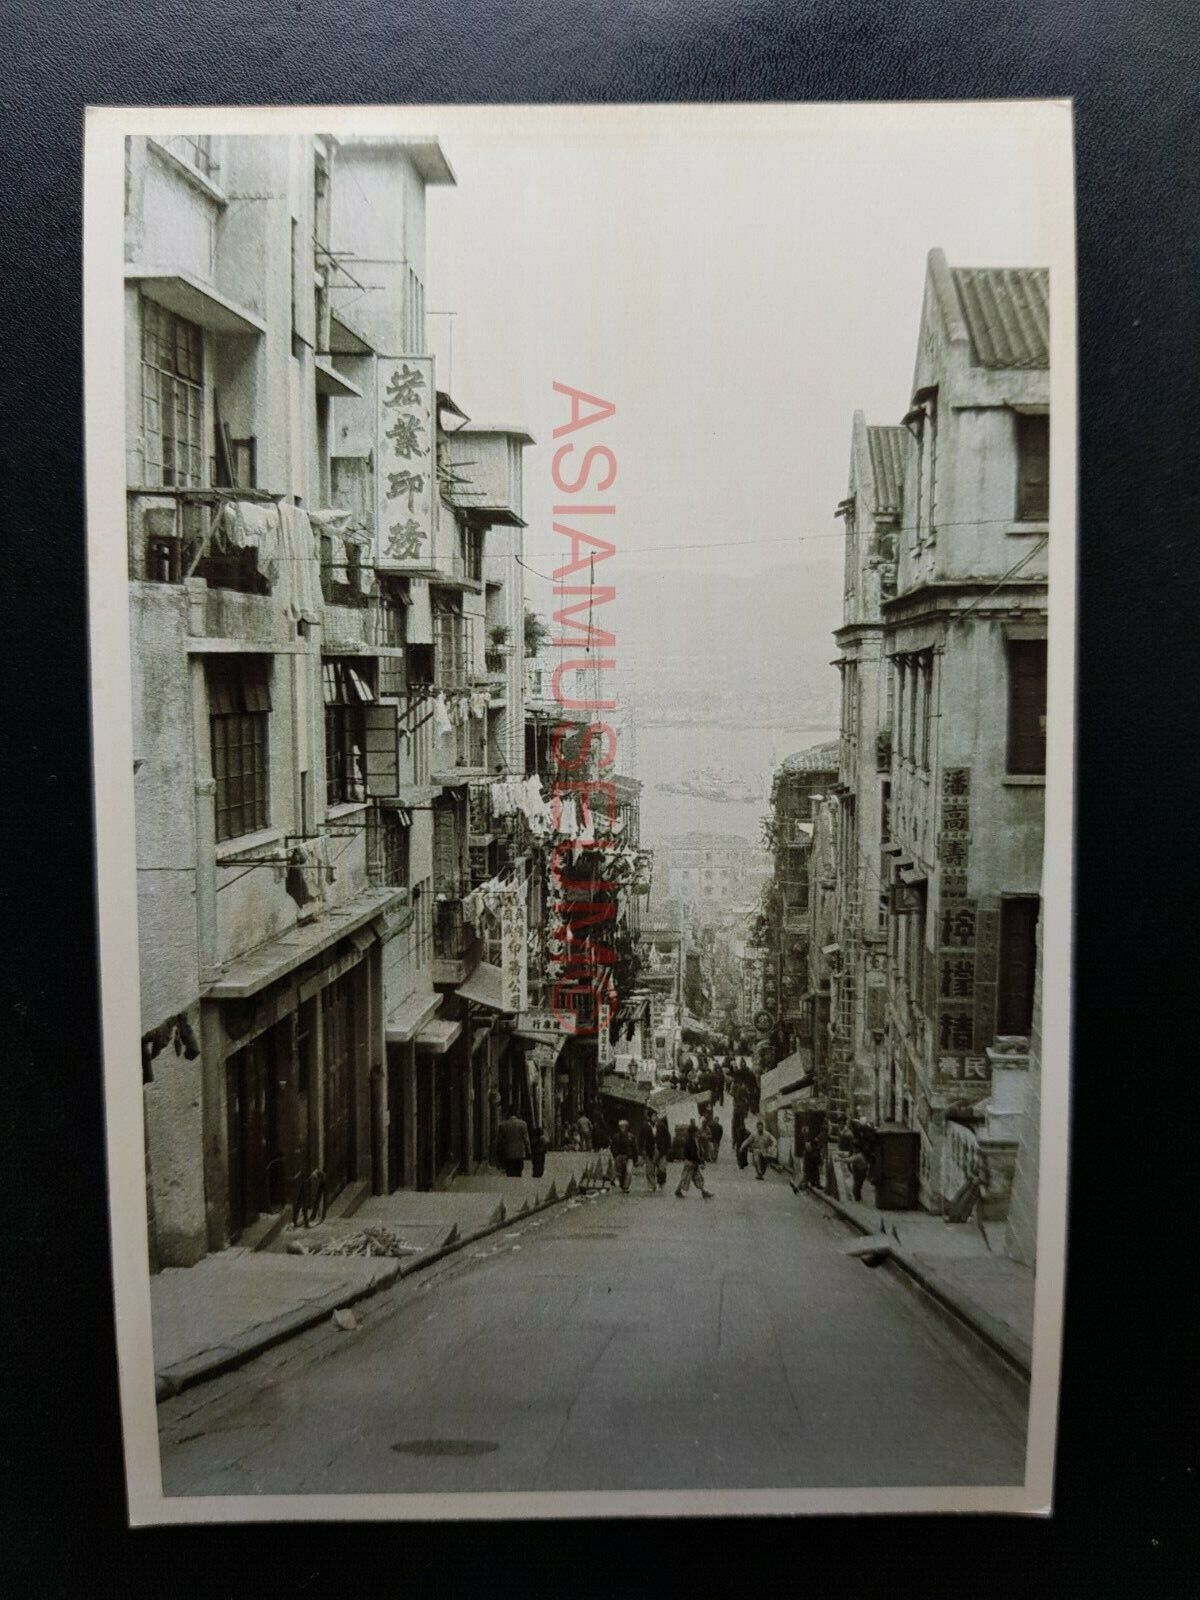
[(738, 285)]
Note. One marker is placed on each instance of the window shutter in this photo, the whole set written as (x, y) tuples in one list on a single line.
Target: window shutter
[(381, 753), (1026, 705), (1033, 468), (1018, 953)]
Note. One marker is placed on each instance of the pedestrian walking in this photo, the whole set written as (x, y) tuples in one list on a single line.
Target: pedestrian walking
[(584, 1129), (718, 1134), (662, 1147), (512, 1144), (761, 1148), (623, 1149), (693, 1164), (602, 1145), (648, 1150), (538, 1145), (739, 1130), (706, 1135)]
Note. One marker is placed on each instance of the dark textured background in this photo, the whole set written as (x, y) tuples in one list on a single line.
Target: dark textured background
[(1126, 1494)]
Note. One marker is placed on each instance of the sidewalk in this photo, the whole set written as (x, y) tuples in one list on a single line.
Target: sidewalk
[(238, 1302), (983, 1287)]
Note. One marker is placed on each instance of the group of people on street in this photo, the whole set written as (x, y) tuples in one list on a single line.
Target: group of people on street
[(516, 1144)]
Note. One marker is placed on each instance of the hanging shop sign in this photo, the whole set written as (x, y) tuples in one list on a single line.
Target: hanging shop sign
[(406, 462), (508, 904)]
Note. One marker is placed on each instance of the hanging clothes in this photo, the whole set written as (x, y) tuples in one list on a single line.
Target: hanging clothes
[(442, 724)]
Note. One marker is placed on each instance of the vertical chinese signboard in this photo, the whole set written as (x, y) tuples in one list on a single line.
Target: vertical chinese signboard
[(508, 903), (405, 462), (958, 1024)]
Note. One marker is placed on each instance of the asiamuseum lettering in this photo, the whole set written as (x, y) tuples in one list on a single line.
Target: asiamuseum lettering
[(584, 995)]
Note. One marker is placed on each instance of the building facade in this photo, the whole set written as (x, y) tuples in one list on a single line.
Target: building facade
[(953, 676), (312, 573)]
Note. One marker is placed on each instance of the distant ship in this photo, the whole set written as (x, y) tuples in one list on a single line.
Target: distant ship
[(715, 783)]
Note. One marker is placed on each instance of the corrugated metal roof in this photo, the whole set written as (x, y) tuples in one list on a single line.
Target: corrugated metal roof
[(1007, 312), (817, 758), (886, 445)]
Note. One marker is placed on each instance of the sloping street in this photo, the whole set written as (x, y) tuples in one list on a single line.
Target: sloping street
[(619, 1342)]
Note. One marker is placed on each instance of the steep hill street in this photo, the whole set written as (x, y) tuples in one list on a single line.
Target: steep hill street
[(624, 1342)]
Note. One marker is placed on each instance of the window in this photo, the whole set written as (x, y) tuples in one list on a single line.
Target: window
[(1033, 467), (239, 704), (914, 688), (393, 848), (1018, 959), (194, 148), (926, 709), (348, 689), (172, 398), (451, 658), (1026, 705)]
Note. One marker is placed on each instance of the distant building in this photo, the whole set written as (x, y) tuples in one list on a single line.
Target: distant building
[(709, 871), (800, 783)]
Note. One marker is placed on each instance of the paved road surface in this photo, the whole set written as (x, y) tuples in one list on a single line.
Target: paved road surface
[(629, 1342)]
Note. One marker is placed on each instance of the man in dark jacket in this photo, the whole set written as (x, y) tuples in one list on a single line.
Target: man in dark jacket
[(693, 1164), (648, 1150), (512, 1144), (662, 1146), (623, 1150)]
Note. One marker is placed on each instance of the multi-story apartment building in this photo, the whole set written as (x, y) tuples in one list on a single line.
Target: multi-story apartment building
[(796, 789), (961, 712), (311, 698), (710, 871), (871, 514)]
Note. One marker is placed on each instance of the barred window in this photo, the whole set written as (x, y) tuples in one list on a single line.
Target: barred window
[(172, 398), (394, 850), (239, 705)]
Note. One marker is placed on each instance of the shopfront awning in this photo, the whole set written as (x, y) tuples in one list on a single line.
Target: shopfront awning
[(240, 979), (190, 297), (485, 987), (404, 1023), (330, 381), (436, 1037)]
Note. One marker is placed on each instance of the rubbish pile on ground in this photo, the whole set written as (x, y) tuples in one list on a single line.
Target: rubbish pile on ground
[(373, 1240)]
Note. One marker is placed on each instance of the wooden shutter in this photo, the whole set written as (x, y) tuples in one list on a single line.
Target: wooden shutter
[(381, 750), (1018, 954), (1026, 705), (1033, 468)]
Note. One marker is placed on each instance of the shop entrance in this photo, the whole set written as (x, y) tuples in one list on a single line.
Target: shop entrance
[(256, 1178), (338, 1038), (396, 1114)]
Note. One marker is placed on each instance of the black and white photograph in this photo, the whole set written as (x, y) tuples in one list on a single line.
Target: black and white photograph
[(582, 627)]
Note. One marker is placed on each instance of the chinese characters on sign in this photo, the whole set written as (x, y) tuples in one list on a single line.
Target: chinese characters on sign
[(508, 902), (954, 840), (406, 462)]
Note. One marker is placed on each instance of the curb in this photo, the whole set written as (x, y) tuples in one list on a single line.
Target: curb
[(1000, 1340), (166, 1388)]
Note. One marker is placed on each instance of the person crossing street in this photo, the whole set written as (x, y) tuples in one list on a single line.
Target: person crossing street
[(761, 1148), (624, 1150), (693, 1164)]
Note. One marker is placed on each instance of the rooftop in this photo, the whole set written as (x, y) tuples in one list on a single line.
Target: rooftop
[(1007, 313), (886, 445), (817, 758)]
